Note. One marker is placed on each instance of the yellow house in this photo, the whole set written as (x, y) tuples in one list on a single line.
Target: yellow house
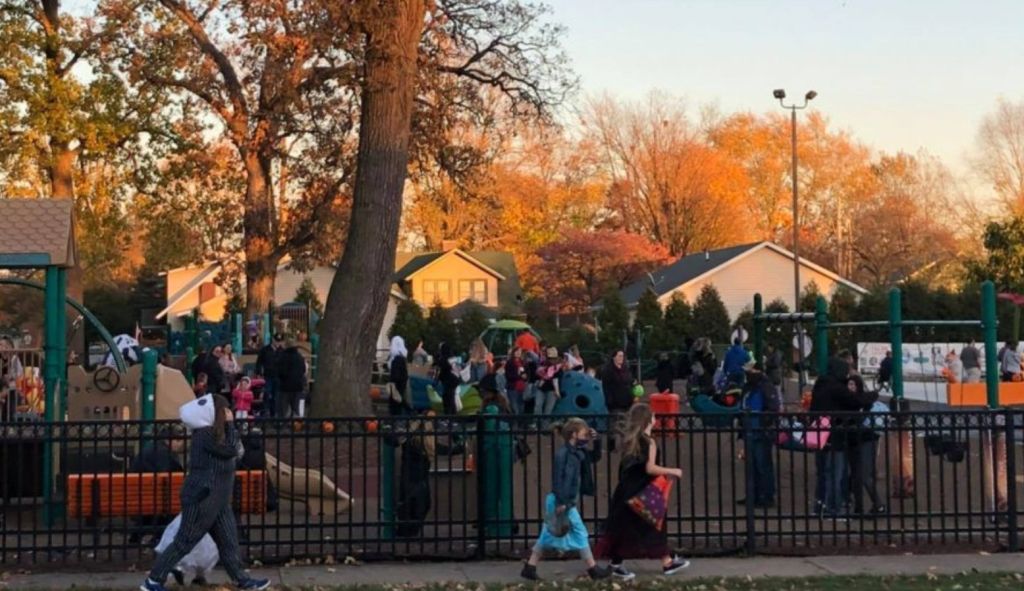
[(737, 272), (454, 277)]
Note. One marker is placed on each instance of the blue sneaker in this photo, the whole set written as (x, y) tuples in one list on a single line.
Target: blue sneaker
[(151, 585), (254, 584)]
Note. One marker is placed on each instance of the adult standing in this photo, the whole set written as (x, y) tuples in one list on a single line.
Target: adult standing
[(617, 382), (266, 367), (229, 366), (515, 379), (449, 379), (548, 389), (291, 368), (773, 365), (480, 360), (398, 377), (970, 357), (762, 399), (1010, 364)]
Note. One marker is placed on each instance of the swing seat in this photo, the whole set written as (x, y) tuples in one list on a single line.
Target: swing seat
[(713, 414)]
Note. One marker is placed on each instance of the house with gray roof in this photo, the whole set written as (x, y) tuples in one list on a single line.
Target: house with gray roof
[(737, 272)]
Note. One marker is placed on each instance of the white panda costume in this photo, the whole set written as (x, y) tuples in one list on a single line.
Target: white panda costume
[(129, 348), (198, 563)]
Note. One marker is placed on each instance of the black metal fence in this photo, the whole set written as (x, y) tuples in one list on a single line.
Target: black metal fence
[(473, 487)]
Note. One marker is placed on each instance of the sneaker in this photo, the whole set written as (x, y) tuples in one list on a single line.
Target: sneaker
[(253, 584), (597, 573), (675, 566), (151, 585), (620, 572), (529, 572), (179, 577)]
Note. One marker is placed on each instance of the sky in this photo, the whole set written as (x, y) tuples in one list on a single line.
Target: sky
[(897, 74)]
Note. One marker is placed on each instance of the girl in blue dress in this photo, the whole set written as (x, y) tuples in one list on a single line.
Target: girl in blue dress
[(563, 528)]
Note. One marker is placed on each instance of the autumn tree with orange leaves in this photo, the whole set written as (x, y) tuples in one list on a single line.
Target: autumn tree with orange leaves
[(665, 181), (577, 270)]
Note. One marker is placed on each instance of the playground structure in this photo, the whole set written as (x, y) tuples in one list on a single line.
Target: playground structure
[(992, 394)]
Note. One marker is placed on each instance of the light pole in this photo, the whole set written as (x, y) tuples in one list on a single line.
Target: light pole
[(793, 108), (780, 94)]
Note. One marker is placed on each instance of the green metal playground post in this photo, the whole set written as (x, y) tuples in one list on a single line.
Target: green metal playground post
[(236, 338), (194, 337), (52, 364), (758, 332), (189, 354), (149, 361), (989, 324), (896, 341), (62, 343), (821, 333)]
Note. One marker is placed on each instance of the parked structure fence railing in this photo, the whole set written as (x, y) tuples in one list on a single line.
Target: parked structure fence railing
[(473, 487)]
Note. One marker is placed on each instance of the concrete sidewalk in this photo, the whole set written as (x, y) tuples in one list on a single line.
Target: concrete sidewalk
[(507, 572)]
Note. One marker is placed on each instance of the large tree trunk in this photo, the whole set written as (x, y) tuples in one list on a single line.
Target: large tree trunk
[(360, 290), (259, 242)]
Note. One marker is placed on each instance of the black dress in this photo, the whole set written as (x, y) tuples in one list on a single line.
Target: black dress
[(626, 534)]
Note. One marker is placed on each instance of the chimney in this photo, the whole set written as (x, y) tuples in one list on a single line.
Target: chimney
[(447, 245)]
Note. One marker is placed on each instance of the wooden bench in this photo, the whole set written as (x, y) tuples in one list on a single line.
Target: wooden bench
[(152, 494)]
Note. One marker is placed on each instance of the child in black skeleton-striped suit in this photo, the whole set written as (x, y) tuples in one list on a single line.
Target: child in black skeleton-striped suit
[(206, 496)]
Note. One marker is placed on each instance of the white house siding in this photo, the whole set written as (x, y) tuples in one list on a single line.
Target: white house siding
[(764, 271)]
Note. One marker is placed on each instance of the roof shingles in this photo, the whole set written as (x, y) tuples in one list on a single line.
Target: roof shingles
[(38, 226)]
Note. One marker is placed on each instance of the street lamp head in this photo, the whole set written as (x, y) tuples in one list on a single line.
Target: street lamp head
[(810, 95), (779, 93)]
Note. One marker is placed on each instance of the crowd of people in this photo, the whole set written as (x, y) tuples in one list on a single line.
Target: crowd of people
[(277, 387)]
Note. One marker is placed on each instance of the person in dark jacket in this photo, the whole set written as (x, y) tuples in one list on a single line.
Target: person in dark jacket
[(449, 379), (208, 363), (398, 377), (773, 364), (761, 397), (735, 358), (291, 376), (414, 498), (832, 397), (266, 367), (665, 374), (206, 502), (617, 382), (885, 369), (862, 451)]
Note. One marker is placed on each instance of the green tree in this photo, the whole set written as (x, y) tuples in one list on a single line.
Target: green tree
[(409, 323), (307, 294), (472, 323), (613, 320), (438, 329), (809, 297), (648, 311), (678, 322), (1003, 262), (710, 318)]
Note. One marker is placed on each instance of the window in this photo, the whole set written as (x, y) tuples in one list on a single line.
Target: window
[(473, 289), (437, 290)]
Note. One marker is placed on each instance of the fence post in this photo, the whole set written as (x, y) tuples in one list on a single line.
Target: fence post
[(904, 482), (821, 333), (758, 332), (387, 488), (748, 471), (1013, 540), (481, 491), (990, 323)]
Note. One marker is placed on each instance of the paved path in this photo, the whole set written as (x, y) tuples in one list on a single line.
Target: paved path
[(507, 572)]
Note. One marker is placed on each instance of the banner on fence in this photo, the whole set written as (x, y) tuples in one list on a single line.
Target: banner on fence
[(920, 360)]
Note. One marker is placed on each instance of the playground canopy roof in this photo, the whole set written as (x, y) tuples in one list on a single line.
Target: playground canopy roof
[(37, 233)]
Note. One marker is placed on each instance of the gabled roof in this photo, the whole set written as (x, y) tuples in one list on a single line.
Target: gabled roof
[(696, 266), (37, 233), (407, 265)]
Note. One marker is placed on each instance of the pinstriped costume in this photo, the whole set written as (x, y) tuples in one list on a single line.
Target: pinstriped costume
[(206, 503)]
